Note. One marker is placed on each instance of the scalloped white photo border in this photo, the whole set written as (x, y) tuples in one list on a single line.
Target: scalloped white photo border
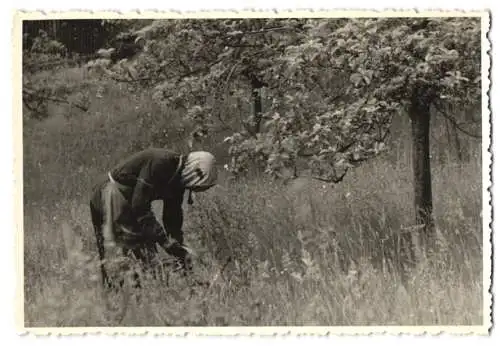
[(483, 329)]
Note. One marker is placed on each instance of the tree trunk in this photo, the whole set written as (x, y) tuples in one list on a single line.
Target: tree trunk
[(256, 85), (420, 116), (54, 29), (257, 106)]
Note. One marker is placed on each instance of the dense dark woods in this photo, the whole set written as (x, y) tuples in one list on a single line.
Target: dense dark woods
[(350, 155)]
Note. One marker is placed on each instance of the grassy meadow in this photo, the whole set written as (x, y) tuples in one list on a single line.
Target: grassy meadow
[(274, 255)]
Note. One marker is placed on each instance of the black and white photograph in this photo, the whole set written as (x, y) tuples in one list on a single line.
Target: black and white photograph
[(281, 169)]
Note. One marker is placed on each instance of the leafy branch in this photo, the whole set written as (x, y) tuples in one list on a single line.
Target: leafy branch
[(335, 180), (39, 98)]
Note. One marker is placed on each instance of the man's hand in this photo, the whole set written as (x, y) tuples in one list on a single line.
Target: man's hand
[(180, 252), (176, 249)]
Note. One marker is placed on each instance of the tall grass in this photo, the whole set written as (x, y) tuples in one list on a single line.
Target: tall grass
[(272, 254)]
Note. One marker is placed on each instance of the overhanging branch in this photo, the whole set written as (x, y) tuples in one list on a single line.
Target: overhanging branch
[(454, 122), (41, 99), (334, 180)]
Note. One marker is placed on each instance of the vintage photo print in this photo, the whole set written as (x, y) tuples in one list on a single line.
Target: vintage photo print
[(253, 172)]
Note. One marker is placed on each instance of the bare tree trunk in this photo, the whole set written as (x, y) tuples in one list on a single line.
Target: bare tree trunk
[(420, 116), (257, 110), (256, 85), (257, 105), (54, 29)]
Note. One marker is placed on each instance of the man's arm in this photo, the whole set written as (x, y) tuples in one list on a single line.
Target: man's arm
[(173, 217), (172, 221), (143, 193)]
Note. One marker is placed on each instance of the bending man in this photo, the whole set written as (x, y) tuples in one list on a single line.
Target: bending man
[(121, 202)]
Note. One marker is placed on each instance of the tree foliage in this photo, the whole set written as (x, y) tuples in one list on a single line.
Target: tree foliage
[(42, 59), (53, 46), (331, 86)]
